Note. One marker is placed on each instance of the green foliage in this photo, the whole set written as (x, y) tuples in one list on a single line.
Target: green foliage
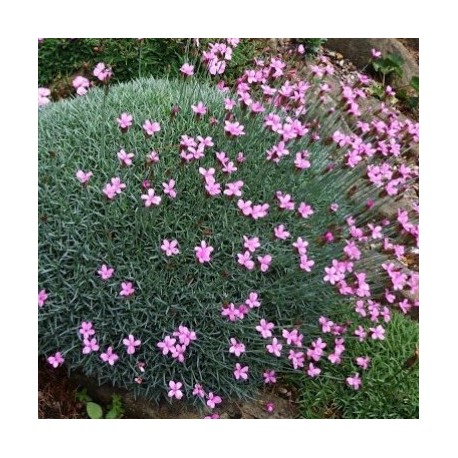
[(391, 64), (389, 386), (311, 45), (94, 411)]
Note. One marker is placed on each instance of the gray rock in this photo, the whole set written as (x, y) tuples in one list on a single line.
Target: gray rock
[(358, 50)]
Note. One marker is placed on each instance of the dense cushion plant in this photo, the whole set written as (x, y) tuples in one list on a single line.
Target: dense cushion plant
[(192, 238)]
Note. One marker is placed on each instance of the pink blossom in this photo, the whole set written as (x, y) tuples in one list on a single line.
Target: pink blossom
[(354, 382), (42, 297), (124, 121), (213, 400), (251, 244), (269, 407), (328, 237), (234, 128), (305, 210), (150, 198), (102, 72), (178, 352), (175, 391), (232, 312), (213, 188), (240, 157), (361, 333), (259, 211), (313, 371), (105, 272), (152, 156), (90, 346), (240, 372), (125, 158), (166, 345), (213, 416), (285, 201), (378, 333), (131, 343), (363, 361), (169, 189), (116, 187), (281, 233), (56, 360), (185, 336), (245, 207), (296, 358), (237, 348), (207, 174), (301, 246), (351, 250), (81, 84), (229, 104), (245, 260), (187, 69), (127, 289), (151, 127), (203, 252), (265, 328), (375, 54), (265, 262), (86, 329), (275, 347), (229, 168), (109, 357), (302, 160), (253, 300), (234, 189), (326, 325), (269, 377), (83, 177), (198, 391), (306, 264), (170, 248), (43, 96), (200, 109)]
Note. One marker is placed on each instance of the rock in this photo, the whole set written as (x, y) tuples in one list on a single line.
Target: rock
[(358, 50)]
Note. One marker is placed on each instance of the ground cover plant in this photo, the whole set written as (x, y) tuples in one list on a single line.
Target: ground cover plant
[(195, 238)]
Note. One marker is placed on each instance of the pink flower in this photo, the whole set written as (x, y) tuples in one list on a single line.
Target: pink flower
[(259, 211), (302, 160), (102, 72), (232, 312), (253, 300), (125, 158), (264, 262), (234, 189), (245, 207), (245, 260), (170, 248), (86, 329), (105, 272), (275, 347), (127, 289), (361, 333), (296, 358), (43, 96), (166, 345), (229, 168), (354, 382), (198, 391), (83, 177), (151, 127), (269, 407), (131, 343), (116, 187), (81, 84), (301, 246), (153, 156), (169, 189), (151, 198), (124, 121), (378, 333), (213, 416), (42, 297), (207, 174), (56, 360), (109, 357), (236, 348), (187, 69), (178, 352), (281, 233), (306, 264), (363, 361), (234, 129), (251, 244), (203, 252), (175, 391), (185, 336), (305, 210), (265, 328), (200, 109), (326, 325), (292, 337), (269, 377), (375, 54), (213, 188), (241, 372), (90, 346), (229, 104), (285, 201), (313, 371), (213, 400)]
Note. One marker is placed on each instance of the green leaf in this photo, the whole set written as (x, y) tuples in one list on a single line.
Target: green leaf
[(94, 410), (395, 59), (112, 414), (415, 83), (82, 396)]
